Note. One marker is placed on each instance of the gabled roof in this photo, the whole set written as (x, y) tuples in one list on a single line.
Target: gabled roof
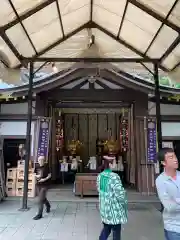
[(62, 28), (79, 77)]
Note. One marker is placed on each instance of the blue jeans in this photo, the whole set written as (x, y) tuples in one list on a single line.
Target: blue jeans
[(171, 235), (116, 229)]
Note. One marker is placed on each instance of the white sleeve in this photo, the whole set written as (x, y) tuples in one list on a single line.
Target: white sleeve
[(168, 201)]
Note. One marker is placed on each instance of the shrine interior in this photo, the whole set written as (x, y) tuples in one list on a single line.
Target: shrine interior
[(87, 134)]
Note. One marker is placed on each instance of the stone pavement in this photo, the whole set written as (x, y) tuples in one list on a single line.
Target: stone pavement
[(76, 221)]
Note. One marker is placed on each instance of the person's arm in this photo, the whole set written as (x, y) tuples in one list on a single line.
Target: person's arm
[(119, 191), (169, 202), (46, 178), (177, 200), (36, 174)]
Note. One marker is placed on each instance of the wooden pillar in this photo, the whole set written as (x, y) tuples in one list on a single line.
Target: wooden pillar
[(131, 157), (41, 106), (145, 172)]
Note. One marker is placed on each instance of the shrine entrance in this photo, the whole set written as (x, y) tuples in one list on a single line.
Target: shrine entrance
[(91, 119), (96, 129)]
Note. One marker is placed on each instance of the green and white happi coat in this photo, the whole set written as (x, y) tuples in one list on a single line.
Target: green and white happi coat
[(112, 198)]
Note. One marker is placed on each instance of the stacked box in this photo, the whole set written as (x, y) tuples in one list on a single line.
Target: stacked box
[(20, 180), (11, 181)]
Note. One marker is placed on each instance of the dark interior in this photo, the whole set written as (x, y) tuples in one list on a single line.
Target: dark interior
[(11, 152)]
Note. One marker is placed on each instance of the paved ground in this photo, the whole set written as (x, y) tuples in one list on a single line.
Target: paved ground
[(76, 221), (65, 194)]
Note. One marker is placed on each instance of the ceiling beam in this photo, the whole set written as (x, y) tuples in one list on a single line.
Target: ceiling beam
[(42, 65), (127, 45), (170, 49), (22, 25), (122, 20), (61, 40), (91, 11), (12, 48), (155, 15), (147, 68), (27, 14), (93, 60), (119, 40), (162, 24), (177, 65), (60, 18)]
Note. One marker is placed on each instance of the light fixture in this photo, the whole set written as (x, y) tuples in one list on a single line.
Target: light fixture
[(54, 68), (91, 41)]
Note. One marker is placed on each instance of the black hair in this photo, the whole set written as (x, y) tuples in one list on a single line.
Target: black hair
[(161, 154)]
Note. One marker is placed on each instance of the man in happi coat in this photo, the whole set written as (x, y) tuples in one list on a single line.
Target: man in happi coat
[(112, 201)]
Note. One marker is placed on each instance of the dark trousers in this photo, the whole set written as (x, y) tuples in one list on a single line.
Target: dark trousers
[(42, 193), (171, 235), (116, 229)]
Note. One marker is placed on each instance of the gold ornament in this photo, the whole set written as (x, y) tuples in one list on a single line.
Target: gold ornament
[(74, 147), (111, 146)]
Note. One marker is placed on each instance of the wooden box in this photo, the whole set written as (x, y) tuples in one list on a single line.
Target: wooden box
[(19, 192), (31, 186), (11, 192), (11, 173), (20, 174), (11, 183), (21, 164), (85, 184)]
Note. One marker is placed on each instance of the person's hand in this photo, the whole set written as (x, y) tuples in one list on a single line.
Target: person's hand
[(41, 181)]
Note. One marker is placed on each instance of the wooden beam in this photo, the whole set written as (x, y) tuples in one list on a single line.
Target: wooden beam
[(169, 118), (155, 15), (92, 105), (15, 117), (121, 80), (27, 14), (94, 95)]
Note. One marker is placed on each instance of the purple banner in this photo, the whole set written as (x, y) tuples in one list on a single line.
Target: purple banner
[(151, 142), (43, 137)]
